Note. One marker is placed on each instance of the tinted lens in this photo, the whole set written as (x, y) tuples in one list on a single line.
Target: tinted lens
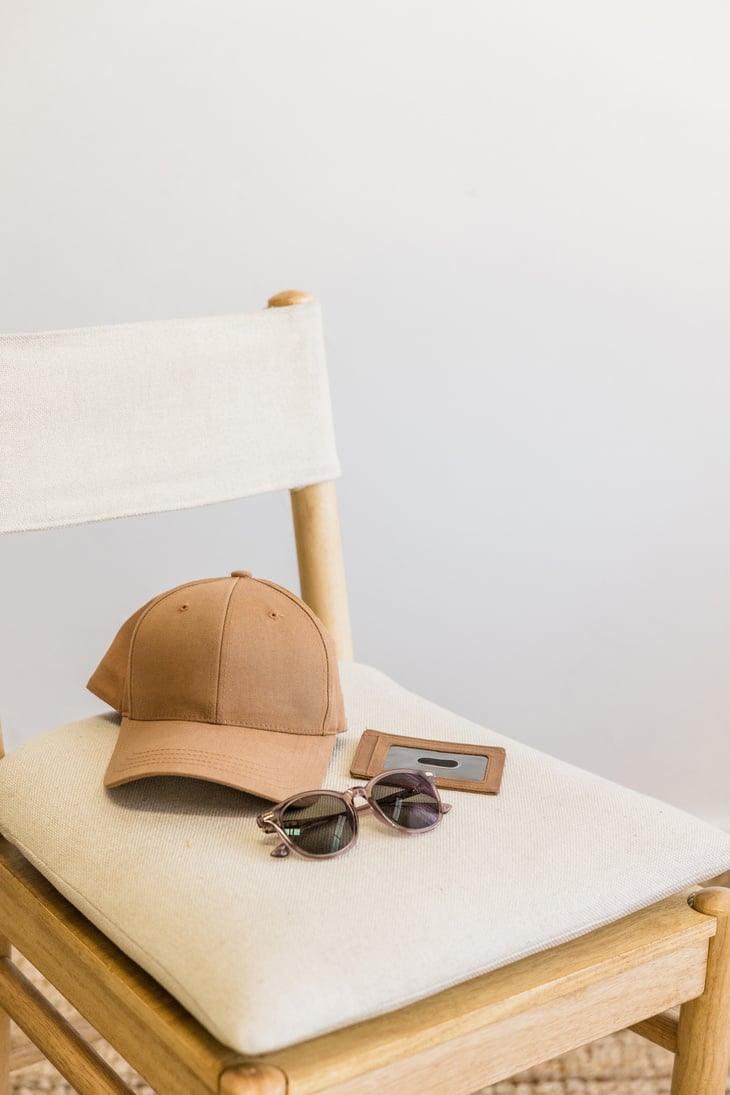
[(408, 800), (319, 825)]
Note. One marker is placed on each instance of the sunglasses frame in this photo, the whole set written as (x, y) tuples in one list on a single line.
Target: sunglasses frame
[(270, 820)]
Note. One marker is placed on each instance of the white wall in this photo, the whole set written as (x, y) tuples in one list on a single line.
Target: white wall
[(516, 218)]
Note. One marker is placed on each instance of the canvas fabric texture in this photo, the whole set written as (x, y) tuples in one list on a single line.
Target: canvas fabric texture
[(177, 873), (166, 415)]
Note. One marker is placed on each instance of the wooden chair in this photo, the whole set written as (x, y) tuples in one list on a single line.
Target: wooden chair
[(629, 973)]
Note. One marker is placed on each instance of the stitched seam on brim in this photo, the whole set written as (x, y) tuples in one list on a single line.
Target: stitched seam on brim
[(220, 761)]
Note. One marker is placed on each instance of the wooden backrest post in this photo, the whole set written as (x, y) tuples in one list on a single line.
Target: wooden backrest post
[(318, 541)]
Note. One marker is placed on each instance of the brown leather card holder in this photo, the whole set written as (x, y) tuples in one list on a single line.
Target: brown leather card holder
[(457, 766)]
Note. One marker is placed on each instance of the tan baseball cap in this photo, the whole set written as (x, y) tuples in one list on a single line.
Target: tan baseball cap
[(232, 680)]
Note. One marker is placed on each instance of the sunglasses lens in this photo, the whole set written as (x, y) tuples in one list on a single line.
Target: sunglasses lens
[(318, 824), (408, 800)]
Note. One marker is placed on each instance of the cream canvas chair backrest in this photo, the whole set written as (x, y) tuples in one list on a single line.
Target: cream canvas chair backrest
[(138, 418)]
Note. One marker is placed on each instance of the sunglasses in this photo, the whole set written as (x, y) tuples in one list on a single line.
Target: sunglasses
[(323, 824)]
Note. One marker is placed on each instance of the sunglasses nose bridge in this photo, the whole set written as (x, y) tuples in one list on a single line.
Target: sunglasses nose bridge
[(354, 793)]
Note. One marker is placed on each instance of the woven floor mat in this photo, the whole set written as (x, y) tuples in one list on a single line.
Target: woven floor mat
[(623, 1064)]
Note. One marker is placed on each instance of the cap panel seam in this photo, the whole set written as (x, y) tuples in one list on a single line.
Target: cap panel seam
[(144, 755), (315, 624), (223, 684), (156, 601), (222, 643)]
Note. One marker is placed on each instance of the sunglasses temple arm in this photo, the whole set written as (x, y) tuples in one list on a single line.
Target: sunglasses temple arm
[(402, 794), (306, 824), (445, 806)]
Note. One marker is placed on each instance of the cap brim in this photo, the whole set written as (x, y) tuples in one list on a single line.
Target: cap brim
[(267, 763)]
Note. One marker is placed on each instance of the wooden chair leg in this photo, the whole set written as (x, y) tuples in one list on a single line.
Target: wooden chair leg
[(4, 1032), (4, 1017), (703, 1036)]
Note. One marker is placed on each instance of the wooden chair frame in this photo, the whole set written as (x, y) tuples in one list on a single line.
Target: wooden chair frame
[(628, 974)]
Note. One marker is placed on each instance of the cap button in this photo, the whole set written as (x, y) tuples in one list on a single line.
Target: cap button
[(241, 574)]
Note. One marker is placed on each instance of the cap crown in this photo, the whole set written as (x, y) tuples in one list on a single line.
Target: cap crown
[(235, 651)]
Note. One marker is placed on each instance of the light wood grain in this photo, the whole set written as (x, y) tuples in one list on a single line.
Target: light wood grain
[(5, 1064), (128, 1008), (319, 555), (659, 1029), (719, 880), (514, 995), (703, 1037), (24, 1053), (61, 1044), (253, 1080), (287, 297), (4, 1017), (502, 1048), (318, 541)]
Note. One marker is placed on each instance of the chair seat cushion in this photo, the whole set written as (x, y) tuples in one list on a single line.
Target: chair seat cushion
[(267, 952)]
